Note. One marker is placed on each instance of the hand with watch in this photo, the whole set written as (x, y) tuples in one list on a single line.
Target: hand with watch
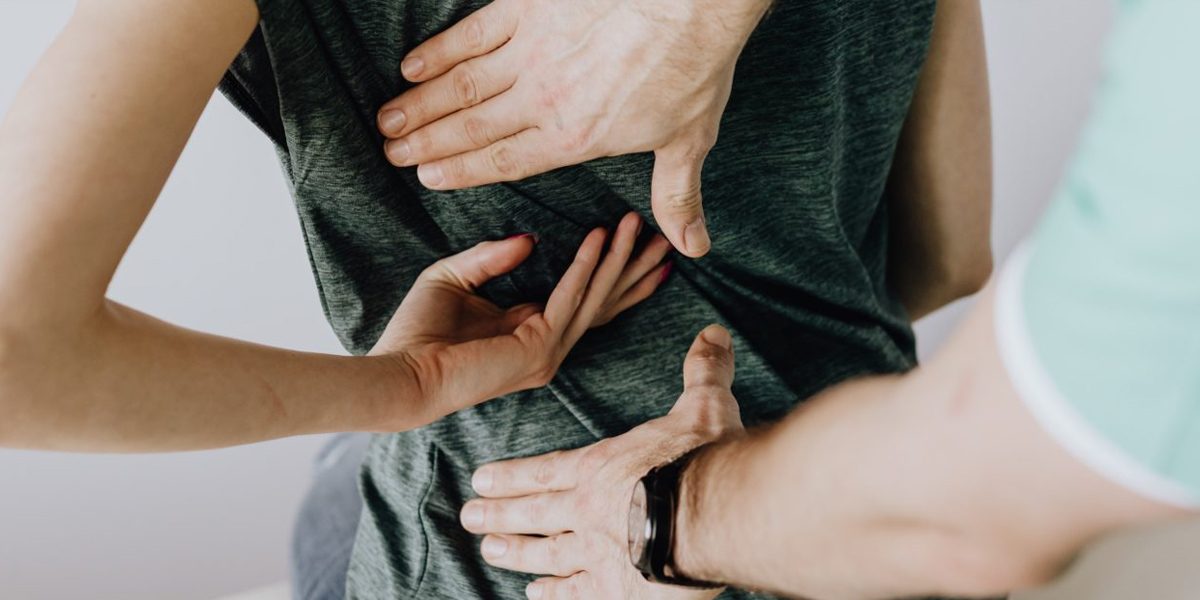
[(567, 515), (654, 525)]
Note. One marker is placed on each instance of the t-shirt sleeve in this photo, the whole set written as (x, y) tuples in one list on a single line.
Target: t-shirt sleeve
[(1098, 314)]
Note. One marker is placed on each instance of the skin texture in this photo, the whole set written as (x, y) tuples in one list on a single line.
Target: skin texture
[(941, 199), (579, 499), (526, 86), (935, 483), (85, 151), (940, 189)]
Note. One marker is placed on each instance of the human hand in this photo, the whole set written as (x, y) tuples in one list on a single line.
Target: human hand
[(522, 87), (579, 499), (462, 350)]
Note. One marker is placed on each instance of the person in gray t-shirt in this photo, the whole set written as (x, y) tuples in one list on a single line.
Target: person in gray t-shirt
[(831, 221), (814, 263)]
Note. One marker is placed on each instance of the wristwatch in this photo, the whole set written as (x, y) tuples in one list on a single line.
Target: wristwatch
[(652, 511)]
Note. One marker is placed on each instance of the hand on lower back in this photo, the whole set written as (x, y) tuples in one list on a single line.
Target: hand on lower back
[(461, 349), (522, 87), (564, 515)]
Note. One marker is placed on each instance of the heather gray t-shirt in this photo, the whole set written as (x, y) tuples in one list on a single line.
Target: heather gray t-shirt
[(794, 192)]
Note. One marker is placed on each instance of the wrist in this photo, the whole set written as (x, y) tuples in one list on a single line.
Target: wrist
[(691, 557), (394, 399)]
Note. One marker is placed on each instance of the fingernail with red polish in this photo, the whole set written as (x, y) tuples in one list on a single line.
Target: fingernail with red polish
[(666, 272)]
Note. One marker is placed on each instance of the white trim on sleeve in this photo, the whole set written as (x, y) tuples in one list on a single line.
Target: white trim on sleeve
[(1055, 413)]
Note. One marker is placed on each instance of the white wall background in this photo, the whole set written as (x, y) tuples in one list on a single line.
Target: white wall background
[(222, 252)]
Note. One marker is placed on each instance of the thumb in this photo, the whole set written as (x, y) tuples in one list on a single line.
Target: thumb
[(676, 200), (472, 268), (707, 404), (709, 362)]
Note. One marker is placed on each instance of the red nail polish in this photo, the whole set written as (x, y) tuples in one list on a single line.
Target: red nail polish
[(666, 272)]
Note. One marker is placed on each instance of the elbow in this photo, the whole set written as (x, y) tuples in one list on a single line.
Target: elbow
[(968, 275), (993, 570), (8, 378), (20, 383), (958, 273)]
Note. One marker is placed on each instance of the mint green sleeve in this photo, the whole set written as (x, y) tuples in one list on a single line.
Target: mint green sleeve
[(1098, 315)]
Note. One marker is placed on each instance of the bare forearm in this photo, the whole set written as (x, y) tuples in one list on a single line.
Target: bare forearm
[(84, 151), (938, 482), (791, 510), (125, 382), (940, 189)]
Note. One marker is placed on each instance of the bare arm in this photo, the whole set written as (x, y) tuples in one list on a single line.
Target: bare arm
[(84, 153), (937, 482), (941, 184)]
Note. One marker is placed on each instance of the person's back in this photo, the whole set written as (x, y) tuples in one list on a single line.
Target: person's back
[(795, 188)]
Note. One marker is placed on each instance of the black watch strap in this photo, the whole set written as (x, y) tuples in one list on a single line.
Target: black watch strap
[(662, 506)]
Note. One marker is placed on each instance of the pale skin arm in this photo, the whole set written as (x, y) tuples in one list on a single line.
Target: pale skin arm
[(84, 152), (937, 482), (940, 189)]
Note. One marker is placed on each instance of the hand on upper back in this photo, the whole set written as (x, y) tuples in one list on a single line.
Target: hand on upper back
[(522, 87), (462, 350), (564, 515)]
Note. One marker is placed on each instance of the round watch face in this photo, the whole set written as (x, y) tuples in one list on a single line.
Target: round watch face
[(639, 524)]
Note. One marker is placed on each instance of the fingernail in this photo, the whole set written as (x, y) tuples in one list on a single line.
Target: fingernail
[(472, 516), (533, 591), (411, 67), (399, 151), (695, 238), (392, 122), (482, 481), (719, 336), (430, 175), (494, 547), (666, 272)]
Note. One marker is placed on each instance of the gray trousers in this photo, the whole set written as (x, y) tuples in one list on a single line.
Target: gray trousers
[(328, 521)]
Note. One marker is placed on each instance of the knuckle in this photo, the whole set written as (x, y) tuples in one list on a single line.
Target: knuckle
[(574, 591), (697, 148), (455, 168), (594, 459), (473, 34), (477, 131), (437, 270), (544, 372), (534, 509), (684, 200), (708, 419), (504, 160), (466, 89), (546, 470), (555, 554)]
